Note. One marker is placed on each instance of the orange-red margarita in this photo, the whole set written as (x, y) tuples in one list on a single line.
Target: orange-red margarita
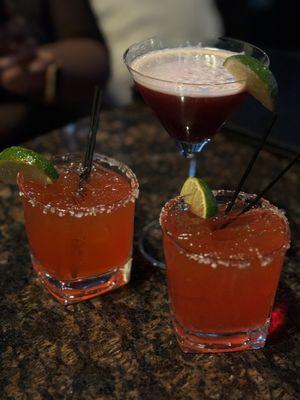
[(80, 234), (222, 280)]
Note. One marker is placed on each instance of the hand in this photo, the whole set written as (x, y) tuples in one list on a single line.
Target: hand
[(22, 65), (23, 77)]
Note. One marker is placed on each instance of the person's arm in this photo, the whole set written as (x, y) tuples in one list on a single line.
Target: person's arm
[(78, 49), (82, 63)]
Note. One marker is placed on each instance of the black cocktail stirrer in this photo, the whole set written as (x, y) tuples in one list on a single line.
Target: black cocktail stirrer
[(263, 192), (250, 165), (94, 125), (270, 185)]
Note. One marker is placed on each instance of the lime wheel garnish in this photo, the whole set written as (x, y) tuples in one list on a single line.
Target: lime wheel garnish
[(198, 195)]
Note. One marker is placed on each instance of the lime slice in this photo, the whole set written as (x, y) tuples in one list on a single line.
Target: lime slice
[(198, 195), (35, 166), (260, 81)]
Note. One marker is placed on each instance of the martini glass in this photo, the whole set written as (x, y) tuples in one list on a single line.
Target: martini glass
[(189, 90)]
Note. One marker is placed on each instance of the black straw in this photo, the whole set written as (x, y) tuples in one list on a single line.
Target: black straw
[(270, 185), (263, 192), (94, 125), (250, 165)]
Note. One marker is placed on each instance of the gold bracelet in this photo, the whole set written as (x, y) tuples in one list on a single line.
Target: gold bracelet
[(51, 80)]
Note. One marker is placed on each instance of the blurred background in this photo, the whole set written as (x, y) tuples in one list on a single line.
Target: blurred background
[(273, 26), (53, 53)]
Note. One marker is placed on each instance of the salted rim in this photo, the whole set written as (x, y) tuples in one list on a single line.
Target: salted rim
[(88, 211), (267, 63), (210, 258)]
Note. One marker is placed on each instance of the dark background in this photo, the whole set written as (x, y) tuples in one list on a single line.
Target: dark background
[(273, 25)]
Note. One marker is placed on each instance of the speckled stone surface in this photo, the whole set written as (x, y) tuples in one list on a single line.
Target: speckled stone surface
[(121, 345)]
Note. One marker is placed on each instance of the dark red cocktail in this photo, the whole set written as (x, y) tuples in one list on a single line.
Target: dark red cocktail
[(189, 90), (191, 119)]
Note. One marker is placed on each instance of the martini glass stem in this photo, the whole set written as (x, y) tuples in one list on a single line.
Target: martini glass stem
[(190, 151), (193, 164)]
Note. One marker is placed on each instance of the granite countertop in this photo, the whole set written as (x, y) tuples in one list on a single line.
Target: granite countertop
[(121, 345)]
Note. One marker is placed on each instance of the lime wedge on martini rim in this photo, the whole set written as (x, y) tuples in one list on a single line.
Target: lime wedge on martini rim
[(260, 82)]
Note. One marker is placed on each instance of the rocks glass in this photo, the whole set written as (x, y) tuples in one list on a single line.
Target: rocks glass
[(222, 280), (80, 234)]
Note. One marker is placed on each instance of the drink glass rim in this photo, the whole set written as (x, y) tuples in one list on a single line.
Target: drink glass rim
[(187, 44), (240, 261), (86, 211)]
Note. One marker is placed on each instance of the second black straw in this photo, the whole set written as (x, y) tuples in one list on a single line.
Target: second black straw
[(93, 129)]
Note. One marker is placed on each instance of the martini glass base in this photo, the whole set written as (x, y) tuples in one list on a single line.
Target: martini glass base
[(150, 241), (150, 244)]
